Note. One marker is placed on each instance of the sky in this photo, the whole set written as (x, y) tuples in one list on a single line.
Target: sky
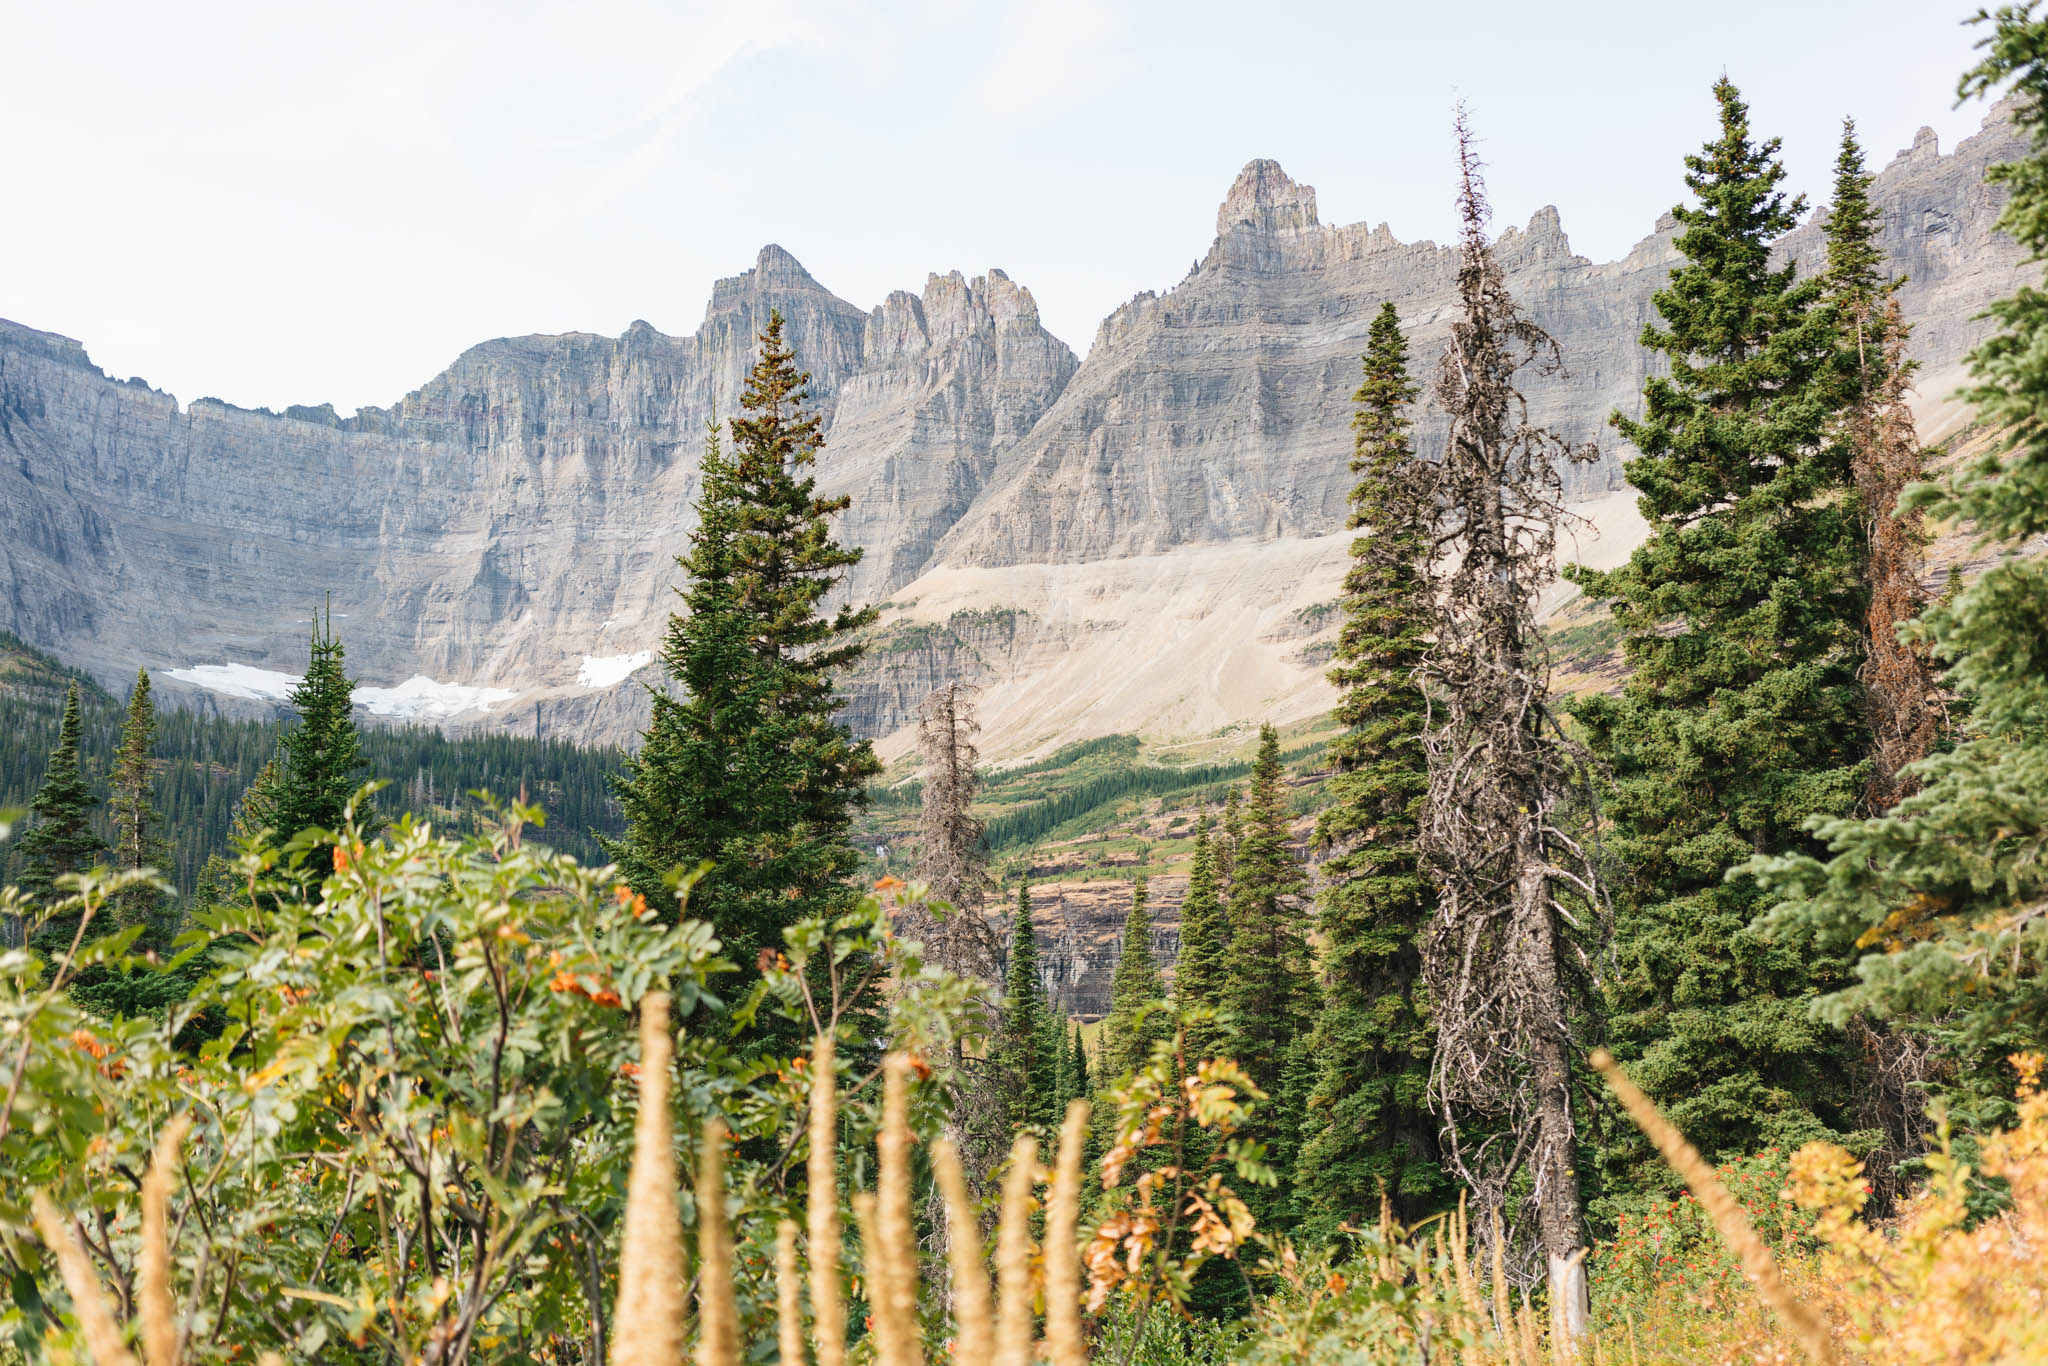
[(308, 202)]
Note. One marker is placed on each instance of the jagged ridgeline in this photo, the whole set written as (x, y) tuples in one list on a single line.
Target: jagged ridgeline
[(204, 762)]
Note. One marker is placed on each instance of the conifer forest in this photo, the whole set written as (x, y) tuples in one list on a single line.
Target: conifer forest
[(1693, 1011)]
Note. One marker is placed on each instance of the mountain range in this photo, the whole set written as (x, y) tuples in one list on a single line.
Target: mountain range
[(1148, 539)]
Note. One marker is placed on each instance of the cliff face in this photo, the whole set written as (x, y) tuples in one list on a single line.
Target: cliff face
[(1220, 411), (512, 525)]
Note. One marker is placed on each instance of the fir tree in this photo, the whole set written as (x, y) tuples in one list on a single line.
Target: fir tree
[(748, 767), (138, 838), (1200, 972), (1947, 893), (60, 838), (1369, 1126), (1266, 977), (1740, 719), (1137, 1018), (321, 759), (1229, 838), (1081, 1076), (1028, 1039)]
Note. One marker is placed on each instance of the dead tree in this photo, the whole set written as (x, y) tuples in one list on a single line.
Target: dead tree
[(952, 865), (1504, 958), (950, 860), (1901, 690)]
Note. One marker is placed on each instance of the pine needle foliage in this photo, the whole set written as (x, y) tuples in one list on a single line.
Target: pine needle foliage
[(1137, 996), (1946, 895), (60, 838), (1029, 1037), (1200, 971), (138, 827), (1268, 991), (1740, 620), (1369, 1127), (321, 758), (745, 765)]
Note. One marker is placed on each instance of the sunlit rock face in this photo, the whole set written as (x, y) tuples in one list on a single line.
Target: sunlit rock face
[(498, 548)]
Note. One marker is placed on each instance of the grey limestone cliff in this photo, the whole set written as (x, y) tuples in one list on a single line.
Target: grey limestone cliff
[(509, 529)]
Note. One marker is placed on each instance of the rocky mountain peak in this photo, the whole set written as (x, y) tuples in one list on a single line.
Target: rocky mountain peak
[(1266, 199), (775, 271)]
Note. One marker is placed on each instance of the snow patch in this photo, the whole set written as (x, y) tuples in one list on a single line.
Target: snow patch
[(604, 671), (420, 698), (239, 680)]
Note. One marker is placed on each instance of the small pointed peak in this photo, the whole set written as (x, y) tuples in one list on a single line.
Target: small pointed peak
[(1265, 198), (1926, 143), (775, 261)]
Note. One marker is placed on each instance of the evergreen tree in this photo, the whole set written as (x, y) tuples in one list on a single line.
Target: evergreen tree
[(1028, 1040), (1946, 892), (1266, 978), (321, 758), (1201, 970), (1228, 840), (748, 767), (1137, 1016), (138, 837), (1740, 719), (1083, 1080), (60, 838), (1369, 1126)]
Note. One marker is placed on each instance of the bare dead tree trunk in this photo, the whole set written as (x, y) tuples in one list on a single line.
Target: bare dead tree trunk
[(1902, 693), (1497, 960), (959, 937)]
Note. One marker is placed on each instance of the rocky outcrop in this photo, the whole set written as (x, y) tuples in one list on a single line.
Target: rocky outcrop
[(1161, 506)]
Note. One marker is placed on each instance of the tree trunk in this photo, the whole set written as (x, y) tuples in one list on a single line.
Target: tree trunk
[(1560, 1220)]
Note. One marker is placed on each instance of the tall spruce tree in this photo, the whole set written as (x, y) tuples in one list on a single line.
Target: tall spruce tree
[(749, 767), (1740, 721), (1947, 894), (1369, 1129), (1029, 1038), (1228, 838), (1137, 997), (1082, 1076), (1267, 988), (138, 828), (1202, 967), (321, 758), (60, 838)]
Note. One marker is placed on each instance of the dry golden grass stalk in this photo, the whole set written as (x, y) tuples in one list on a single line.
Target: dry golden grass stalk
[(1503, 1308), (1460, 1238), (973, 1340), (650, 1310), (1683, 1158), (1013, 1256), (821, 1208), (895, 1291), (95, 1320), (154, 1299), (789, 1307), (1525, 1332), (1063, 1336), (718, 1319)]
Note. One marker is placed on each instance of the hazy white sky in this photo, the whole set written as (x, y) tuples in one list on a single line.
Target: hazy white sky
[(294, 202)]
